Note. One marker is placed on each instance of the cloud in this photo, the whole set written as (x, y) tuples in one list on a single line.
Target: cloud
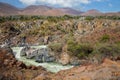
[(63, 3), (28, 2)]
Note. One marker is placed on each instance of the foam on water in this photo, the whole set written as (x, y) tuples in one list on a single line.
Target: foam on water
[(53, 67)]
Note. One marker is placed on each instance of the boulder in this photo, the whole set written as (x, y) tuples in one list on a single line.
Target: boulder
[(49, 59), (64, 58), (42, 51), (40, 55), (45, 58), (75, 63), (31, 53), (23, 51), (39, 58)]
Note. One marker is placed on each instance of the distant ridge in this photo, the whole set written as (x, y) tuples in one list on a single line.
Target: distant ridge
[(92, 12), (7, 9)]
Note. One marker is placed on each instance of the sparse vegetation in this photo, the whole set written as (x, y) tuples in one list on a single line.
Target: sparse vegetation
[(79, 50), (56, 47), (105, 38), (53, 18), (105, 50), (66, 30), (89, 18)]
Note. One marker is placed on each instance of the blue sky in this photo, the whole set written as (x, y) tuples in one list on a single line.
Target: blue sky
[(84, 5)]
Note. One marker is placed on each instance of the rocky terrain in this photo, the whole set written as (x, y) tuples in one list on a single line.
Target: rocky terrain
[(91, 44), (11, 69), (15, 70), (108, 70), (65, 38)]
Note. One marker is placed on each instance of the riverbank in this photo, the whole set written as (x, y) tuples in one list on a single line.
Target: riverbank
[(15, 70)]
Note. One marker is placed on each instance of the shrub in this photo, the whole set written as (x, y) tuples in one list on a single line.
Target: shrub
[(56, 47), (89, 18), (105, 38), (106, 51), (79, 50)]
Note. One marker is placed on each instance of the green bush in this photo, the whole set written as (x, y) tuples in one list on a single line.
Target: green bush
[(89, 18), (79, 50), (56, 47), (105, 38), (106, 51)]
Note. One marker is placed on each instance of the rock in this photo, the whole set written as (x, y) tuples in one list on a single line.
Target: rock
[(41, 40), (95, 60), (21, 65), (23, 51), (6, 62), (7, 58), (5, 53), (32, 67), (49, 59), (40, 55), (64, 58), (44, 58), (117, 58), (31, 53), (106, 71), (41, 77), (39, 58), (11, 69), (46, 39), (74, 61)]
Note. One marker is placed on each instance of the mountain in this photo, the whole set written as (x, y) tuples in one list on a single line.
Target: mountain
[(70, 11), (92, 12), (35, 10), (45, 10), (112, 14), (63, 11), (6, 9)]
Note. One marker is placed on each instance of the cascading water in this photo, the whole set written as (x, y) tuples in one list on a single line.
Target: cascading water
[(52, 67)]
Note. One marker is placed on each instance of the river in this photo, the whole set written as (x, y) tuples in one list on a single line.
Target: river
[(52, 67)]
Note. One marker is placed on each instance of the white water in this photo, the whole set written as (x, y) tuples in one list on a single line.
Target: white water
[(52, 67)]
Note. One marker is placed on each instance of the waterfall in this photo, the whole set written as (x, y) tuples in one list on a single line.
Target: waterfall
[(52, 67)]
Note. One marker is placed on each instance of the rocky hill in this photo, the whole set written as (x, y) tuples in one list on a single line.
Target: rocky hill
[(7, 9), (92, 12)]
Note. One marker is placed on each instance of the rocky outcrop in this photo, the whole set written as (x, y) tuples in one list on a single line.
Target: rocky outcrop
[(40, 55), (11, 69), (5, 55), (108, 70), (14, 70)]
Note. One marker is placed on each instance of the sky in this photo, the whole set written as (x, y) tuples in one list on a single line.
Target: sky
[(83, 5)]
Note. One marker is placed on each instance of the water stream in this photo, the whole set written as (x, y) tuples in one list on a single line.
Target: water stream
[(52, 67)]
